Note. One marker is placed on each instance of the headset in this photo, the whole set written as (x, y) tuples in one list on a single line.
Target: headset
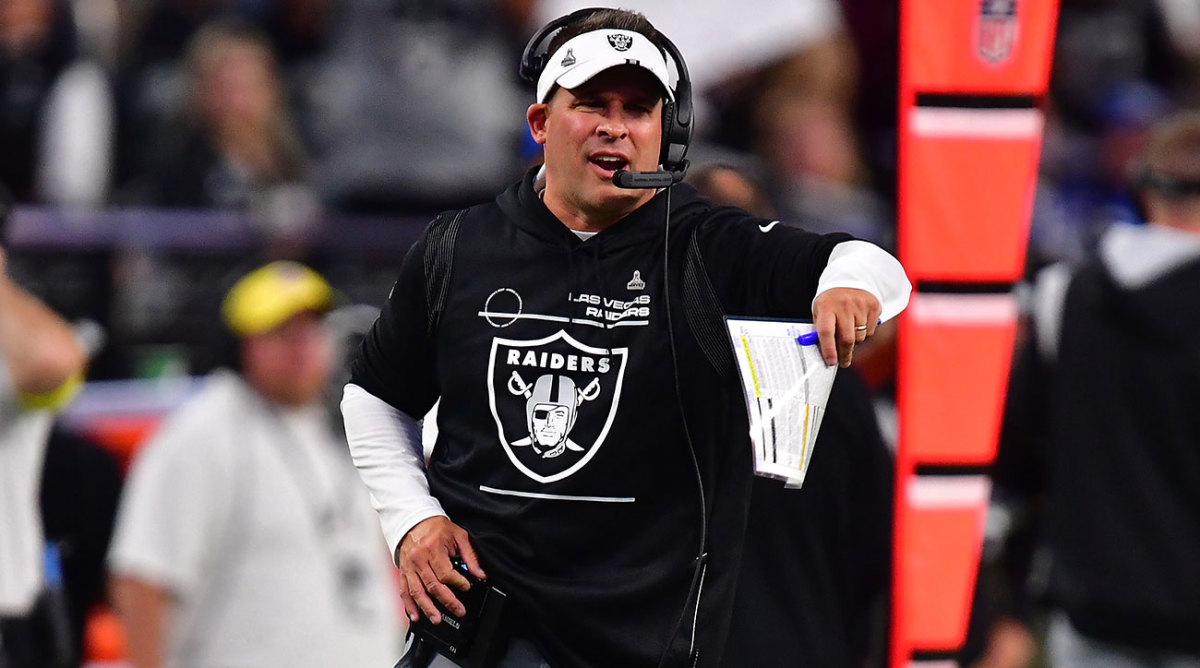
[(1144, 177), (676, 116)]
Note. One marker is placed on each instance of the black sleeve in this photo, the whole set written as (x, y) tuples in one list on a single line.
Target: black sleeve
[(1019, 467), (1019, 475), (395, 361), (865, 473), (757, 273)]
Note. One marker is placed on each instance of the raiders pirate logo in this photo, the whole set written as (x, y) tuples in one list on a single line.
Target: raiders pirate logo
[(619, 41), (554, 400)]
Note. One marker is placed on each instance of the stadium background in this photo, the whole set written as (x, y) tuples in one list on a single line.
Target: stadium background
[(978, 140)]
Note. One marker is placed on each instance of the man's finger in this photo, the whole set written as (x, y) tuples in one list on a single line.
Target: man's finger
[(467, 553), (416, 589), (448, 574), (410, 606), (826, 327), (845, 339), (873, 321), (444, 594)]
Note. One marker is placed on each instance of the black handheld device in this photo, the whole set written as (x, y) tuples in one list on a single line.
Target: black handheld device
[(476, 639)]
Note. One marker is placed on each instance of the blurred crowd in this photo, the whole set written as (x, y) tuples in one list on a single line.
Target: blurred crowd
[(292, 108), (294, 113)]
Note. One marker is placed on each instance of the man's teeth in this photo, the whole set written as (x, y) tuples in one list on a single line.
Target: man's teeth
[(609, 163)]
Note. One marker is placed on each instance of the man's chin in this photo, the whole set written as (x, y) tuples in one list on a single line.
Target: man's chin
[(618, 196)]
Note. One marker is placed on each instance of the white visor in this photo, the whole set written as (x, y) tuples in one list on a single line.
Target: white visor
[(584, 56)]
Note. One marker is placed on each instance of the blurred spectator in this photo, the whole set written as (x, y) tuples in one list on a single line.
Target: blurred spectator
[(244, 536), (732, 185), (56, 108), (1116, 72), (1102, 44), (778, 80), (234, 144), (157, 31), (81, 483), (415, 106), (40, 366), (1099, 450), (1083, 177)]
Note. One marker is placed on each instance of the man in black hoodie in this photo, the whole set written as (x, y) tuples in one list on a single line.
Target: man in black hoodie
[(1100, 450), (593, 458)]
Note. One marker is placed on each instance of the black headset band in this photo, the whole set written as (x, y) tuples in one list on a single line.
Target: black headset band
[(1166, 185)]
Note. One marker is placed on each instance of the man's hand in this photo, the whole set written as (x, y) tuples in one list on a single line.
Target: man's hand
[(844, 317), (425, 570)]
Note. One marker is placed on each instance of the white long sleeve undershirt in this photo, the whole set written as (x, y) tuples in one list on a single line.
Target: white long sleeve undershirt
[(863, 265), (385, 443)]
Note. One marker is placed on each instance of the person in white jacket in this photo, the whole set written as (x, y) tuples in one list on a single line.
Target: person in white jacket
[(41, 366), (244, 536)]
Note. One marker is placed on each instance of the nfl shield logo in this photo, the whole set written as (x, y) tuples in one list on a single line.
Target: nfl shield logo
[(554, 400), (996, 31)]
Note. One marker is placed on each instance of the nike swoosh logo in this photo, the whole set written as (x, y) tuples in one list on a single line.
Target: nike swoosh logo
[(767, 228)]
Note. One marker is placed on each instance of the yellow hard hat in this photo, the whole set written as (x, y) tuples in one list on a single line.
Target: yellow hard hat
[(263, 299)]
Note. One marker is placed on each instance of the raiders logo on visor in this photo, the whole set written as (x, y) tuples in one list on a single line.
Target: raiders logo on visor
[(620, 42)]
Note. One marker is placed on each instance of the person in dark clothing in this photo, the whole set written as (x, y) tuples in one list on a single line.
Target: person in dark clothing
[(1100, 449), (815, 565), (593, 458), (234, 145), (55, 108), (81, 483), (36, 46)]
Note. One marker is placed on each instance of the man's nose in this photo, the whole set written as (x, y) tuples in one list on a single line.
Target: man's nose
[(613, 125)]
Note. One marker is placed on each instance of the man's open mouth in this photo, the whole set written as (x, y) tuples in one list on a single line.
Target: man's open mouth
[(609, 163)]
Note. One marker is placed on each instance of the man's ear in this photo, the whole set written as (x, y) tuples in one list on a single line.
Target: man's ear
[(537, 115)]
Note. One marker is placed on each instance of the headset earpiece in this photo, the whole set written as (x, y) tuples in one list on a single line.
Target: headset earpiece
[(677, 129)]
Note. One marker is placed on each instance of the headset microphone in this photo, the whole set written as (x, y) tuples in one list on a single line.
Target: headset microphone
[(636, 180)]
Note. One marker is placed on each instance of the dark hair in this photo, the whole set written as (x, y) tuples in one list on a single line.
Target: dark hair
[(1173, 149), (604, 19)]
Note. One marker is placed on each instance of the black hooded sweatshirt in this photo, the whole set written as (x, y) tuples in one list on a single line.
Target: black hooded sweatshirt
[(562, 449), (1105, 441)]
